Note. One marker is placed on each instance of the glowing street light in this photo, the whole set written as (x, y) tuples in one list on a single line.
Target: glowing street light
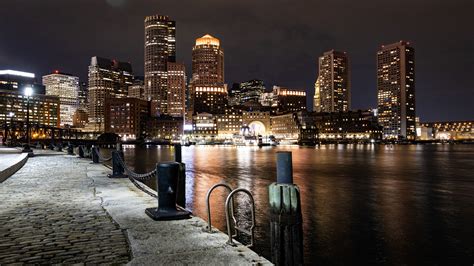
[(28, 92)]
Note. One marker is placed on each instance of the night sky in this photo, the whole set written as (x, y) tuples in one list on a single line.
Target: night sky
[(274, 40)]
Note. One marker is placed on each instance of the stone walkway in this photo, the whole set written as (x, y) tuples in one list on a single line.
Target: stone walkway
[(50, 214)]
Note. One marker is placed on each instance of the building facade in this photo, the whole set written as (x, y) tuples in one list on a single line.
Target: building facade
[(176, 89), (66, 87), (125, 117), (137, 90), (333, 86), (207, 82), (160, 48), (396, 91), (17, 81), (286, 100), (248, 91), (43, 109), (107, 79), (447, 130)]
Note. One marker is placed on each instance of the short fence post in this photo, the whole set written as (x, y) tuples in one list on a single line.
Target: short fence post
[(117, 167), (70, 149), (181, 197), (81, 151), (286, 222), (167, 183), (94, 154)]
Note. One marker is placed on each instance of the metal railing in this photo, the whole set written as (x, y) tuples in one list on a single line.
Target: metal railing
[(208, 205)]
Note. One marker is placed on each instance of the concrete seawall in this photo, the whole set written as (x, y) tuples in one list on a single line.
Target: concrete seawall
[(10, 163)]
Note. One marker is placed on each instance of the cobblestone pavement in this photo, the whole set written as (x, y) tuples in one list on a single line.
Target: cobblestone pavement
[(49, 213)]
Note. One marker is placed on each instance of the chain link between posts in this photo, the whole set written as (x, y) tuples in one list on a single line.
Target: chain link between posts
[(140, 177)]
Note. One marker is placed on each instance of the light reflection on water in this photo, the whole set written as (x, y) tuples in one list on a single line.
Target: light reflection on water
[(361, 203)]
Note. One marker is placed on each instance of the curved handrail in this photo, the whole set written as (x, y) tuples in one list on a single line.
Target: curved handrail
[(208, 204), (252, 227)]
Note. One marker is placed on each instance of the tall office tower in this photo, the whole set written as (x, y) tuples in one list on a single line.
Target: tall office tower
[(207, 82), (250, 91), (107, 79), (176, 89), (396, 91), (66, 87), (160, 48), (83, 97), (17, 81), (333, 86)]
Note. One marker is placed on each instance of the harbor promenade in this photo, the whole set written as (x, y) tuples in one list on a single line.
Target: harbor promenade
[(61, 209)]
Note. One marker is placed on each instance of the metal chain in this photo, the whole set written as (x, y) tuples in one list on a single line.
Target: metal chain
[(137, 176), (101, 158)]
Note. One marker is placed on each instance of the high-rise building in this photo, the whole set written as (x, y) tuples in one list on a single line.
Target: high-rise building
[(107, 79), (160, 48), (17, 81), (333, 86), (137, 90), (176, 89), (66, 87), (248, 91), (396, 90), (83, 97), (208, 91)]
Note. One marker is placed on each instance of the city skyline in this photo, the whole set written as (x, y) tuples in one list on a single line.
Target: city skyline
[(266, 62)]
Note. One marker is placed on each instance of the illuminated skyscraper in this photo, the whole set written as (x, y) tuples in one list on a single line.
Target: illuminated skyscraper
[(66, 87), (176, 89), (333, 87), (208, 91), (107, 79), (160, 48), (396, 90)]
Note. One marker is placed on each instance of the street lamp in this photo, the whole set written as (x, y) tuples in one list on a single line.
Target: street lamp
[(28, 92), (11, 115)]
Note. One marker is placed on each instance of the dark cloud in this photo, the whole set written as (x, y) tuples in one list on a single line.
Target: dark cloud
[(278, 41)]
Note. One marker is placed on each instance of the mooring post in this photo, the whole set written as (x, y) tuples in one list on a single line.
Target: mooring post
[(70, 149), (59, 147), (95, 154), (167, 184), (181, 197), (286, 222), (81, 151), (118, 170)]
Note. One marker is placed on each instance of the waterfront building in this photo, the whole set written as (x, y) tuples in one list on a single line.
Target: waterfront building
[(80, 118), (204, 127), (257, 121), (16, 81), (66, 87), (107, 79), (230, 123), (396, 91), (350, 125), (286, 127), (160, 49), (447, 130), (125, 117), (43, 111), (287, 100), (333, 86), (208, 91), (164, 128), (176, 89), (137, 90)]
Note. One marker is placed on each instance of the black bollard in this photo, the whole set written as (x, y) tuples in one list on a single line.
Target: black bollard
[(95, 154), (286, 221), (70, 149), (81, 151), (167, 184), (59, 147), (51, 146), (117, 169), (181, 198)]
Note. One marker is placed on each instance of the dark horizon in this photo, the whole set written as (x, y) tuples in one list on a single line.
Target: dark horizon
[(280, 47)]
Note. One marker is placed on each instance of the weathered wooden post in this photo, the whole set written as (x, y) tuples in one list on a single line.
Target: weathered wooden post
[(286, 222), (167, 184), (181, 193)]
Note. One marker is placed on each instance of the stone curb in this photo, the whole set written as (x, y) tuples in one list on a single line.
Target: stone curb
[(9, 171)]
